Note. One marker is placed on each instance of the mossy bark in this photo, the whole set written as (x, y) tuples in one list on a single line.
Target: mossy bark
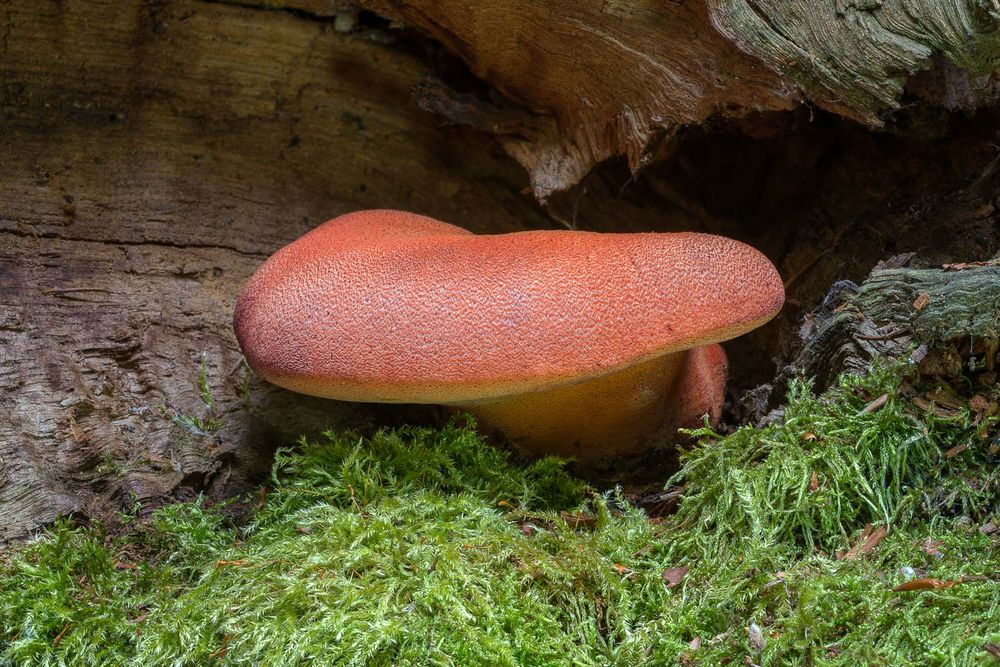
[(898, 313)]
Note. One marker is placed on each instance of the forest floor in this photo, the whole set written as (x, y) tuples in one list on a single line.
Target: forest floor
[(859, 528)]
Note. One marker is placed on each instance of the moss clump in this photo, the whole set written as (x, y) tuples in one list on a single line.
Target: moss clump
[(419, 546), (860, 454)]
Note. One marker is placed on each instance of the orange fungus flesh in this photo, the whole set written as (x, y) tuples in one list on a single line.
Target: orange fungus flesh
[(388, 306)]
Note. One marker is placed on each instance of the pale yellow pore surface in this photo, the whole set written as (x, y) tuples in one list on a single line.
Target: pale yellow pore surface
[(616, 414), (613, 413)]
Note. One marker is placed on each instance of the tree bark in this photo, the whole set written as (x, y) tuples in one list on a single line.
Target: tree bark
[(154, 154), (606, 77), (947, 320)]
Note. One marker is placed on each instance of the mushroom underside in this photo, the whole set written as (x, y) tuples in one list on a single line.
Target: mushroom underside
[(613, 415)]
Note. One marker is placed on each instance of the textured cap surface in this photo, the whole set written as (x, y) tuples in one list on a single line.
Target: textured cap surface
[(394, 307)]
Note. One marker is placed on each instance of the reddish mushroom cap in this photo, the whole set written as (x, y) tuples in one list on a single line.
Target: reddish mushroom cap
[(391, 306)]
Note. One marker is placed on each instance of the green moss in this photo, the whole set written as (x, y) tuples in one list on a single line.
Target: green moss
[(833, 464), (420, 546), (66, 599)]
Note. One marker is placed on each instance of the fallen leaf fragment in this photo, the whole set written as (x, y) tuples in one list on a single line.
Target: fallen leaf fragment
[(814, 482), (978, 403), (960, 266), (622, 569), (988, 528), (869, 539), (931, 547), (925, 584), (875, 405), (931, 584), (992, 649), (672, 576), (921, 301), (956, 450)]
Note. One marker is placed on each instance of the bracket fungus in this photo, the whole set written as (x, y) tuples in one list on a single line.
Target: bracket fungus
[(573, 343)]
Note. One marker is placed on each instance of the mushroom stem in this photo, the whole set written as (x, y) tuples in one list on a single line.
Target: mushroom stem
[(614, 414)]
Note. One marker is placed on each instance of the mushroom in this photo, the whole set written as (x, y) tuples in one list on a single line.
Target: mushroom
[(580, 344)]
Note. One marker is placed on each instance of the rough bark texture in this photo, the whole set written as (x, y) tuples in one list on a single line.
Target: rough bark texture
[(898, 313), (153, 155), (604, 77), (595, 78)]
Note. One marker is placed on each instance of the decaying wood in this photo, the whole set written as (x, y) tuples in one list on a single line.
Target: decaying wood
[(153, 155), (897, 313), (610, 75), (601, 77)]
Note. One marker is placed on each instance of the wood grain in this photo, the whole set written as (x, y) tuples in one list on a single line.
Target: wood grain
[(153, 155), (608, 77)]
